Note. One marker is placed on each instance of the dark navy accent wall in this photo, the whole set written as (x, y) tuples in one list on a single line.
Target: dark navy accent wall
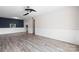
[(5, 22)]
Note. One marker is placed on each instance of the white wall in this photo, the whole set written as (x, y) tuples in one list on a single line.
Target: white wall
[(28, 21), (11, 30), (61, 24)]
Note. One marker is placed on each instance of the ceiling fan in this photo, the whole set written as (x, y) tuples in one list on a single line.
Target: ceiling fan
[(29, 10)]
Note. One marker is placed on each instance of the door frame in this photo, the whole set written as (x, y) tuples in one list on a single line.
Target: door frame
[(33, 26)]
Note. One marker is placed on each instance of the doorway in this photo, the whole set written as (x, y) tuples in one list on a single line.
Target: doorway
[(26, 28)]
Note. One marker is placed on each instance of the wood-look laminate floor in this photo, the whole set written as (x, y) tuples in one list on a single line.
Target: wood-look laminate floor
[(22, 42)]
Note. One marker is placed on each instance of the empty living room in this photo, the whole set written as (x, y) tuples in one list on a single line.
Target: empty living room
[(39, 29)]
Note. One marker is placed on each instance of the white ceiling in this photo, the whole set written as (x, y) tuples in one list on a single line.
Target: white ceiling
[(18, 11), (11, 11)]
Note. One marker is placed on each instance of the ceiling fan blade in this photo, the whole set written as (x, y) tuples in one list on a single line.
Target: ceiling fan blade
[(30, 10), (33, 10), (25, 14)]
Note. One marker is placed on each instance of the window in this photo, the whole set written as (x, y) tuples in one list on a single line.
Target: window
[(12, 25)]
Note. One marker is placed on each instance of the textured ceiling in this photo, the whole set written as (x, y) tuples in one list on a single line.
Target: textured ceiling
[(18, 11)]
